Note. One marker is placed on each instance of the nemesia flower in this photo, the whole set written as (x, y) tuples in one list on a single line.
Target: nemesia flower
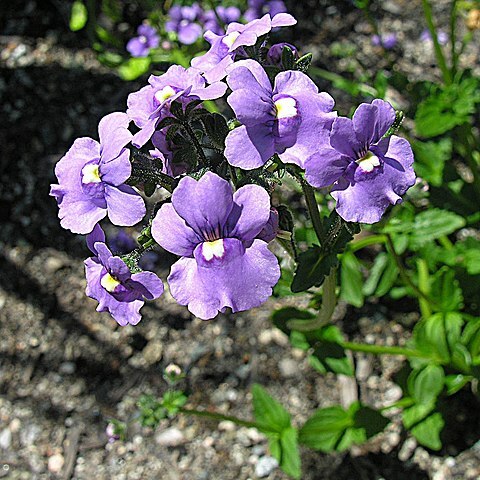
[(291, 119), (147, 38), (387, 41), (274, 55), (226, 14), (257, 8), (152, 103), (92, 179), (214, 232), (224, 48), (109, 281), (182, 21), (368, 172), (269, 231)]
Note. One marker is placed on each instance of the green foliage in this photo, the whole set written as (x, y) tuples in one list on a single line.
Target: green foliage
[(424, 425), (447, 107), (430, 159), (336, 429), (78, 16), (312, 268), (134, 68), (275, 422), (351, 280), (152, 411)]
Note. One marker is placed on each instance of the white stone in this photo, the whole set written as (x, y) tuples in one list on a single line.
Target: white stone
[(55, 463), (5, 438), (171, 437), (265, 466)]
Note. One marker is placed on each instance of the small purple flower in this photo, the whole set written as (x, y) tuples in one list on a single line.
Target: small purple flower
[(147, 39), (274, 55), (442, 37), (110, 282), (270, 230), (368, 172), (214, 231), (224, 48), (150, 104), (111, 433), (387, 41), (257, 8), (183, 22), (292, 119), (92, 179), (226, 14)]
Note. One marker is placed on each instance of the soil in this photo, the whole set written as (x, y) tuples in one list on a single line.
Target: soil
[(65, 370)]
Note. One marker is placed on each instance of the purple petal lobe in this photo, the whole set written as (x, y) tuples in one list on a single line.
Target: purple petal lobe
[(249, 147), (149, 284), (97, 235), (371, 121), (125, 206), (325, 167), (117, 171), (343, 138), (244, 282), (114, 134), (172, 233)]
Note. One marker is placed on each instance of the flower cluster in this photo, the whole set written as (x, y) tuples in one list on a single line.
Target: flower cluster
[(219, 218)]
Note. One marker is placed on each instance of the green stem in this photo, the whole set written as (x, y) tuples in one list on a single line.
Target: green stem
[(356, 245), (329, 302), (427, 10), (383, 350), (453, 37), (198, 148), (469, 142), (219, 417), (313, 210), (424, 284), (403, 273)]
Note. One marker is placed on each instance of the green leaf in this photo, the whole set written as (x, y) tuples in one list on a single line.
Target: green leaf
[(446, 291), (428, 383), (288, 58), (447, 107), (416, 414), (324, 428), (290, 461), (454, 383), (134, 68), (312, 268), (282, 316), (471, 337), (78, 16), (432, 224), (216, 128), (427, 432), (351, 280), (335, 429), (303, 63), (269, 413), (430, 159)]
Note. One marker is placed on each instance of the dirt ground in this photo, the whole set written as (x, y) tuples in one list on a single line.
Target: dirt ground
[(65, 370)]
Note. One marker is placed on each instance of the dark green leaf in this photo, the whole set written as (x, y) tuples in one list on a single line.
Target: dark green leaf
[(312, 268), (216, 128), (176, 109), (427, 432), (428, 383), (303, 63), (446, 291), (281, 317), (288, 58)]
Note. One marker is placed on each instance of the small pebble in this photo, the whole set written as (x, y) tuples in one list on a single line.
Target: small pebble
[(172, 437), (288, 367), (55, 463), (5, 438), (265, 466)]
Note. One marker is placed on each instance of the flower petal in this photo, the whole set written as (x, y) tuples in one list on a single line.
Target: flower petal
[(116, 171), (114, 134), (371, 121), (125, 206)]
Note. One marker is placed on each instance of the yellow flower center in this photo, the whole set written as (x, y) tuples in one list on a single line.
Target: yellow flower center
[(213, 249), (109, 283), (286, 107), (91, 174), (164, 94), (229, 39), (368, 162)]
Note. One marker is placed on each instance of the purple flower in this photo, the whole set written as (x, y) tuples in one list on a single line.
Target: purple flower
[(182, 21), (165, 151), (226, 14), (110, 282), (274, 55), (214, 232), (147, 38), (152, 103), (292, 119), (368, 172), (269, 231), (92, 179), (442, 37), (387, 41), (257, 8), (224, 48)]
